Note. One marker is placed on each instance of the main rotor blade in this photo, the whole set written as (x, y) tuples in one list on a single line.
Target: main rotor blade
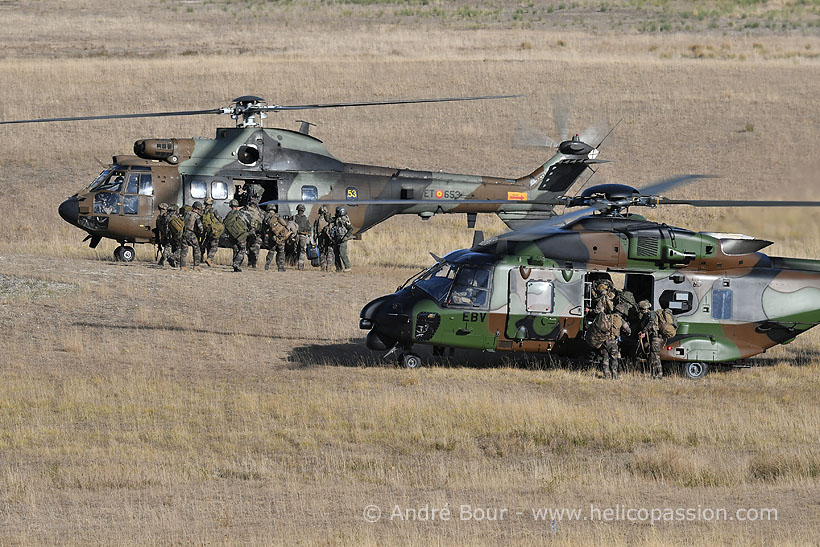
[(740, 203), (277, 108), (548, 205), (118, 116), (668, 184)]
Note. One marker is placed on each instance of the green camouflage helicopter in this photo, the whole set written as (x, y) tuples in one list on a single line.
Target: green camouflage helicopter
[(530, 290), (292, 167)]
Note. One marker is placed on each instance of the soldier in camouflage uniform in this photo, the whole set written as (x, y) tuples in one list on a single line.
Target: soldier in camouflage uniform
[(610, 351), (237, 234), (213, 230), (163, 237), (274, 235), (174, 238), (650, 337), (302, 235), (252, 216), (191, 236), (321, 228), (341, 232)]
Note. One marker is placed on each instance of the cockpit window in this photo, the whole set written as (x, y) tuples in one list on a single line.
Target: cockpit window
[(113, 183), (107, 203), (146, 185), (102, 177), (133, 183), (471, 288), (436, 281)]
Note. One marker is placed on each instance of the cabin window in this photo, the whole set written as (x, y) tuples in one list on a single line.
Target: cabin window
[(310, 193), (198, 189), (219, 190), (539, 296), (677, 301), (471, 288), (107, 203), (129, 205), (146, 185), (722, 304)]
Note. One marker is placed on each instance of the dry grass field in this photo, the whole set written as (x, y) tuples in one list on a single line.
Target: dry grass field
[(148, 406)]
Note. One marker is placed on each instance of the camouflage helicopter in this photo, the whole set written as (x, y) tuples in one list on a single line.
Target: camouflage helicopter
[(290, 167), (529, 290)]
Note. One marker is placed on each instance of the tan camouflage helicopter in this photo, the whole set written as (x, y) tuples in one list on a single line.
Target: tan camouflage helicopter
[(294, 167), (529, 290)]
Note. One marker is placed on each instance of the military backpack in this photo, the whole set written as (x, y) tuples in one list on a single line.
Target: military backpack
[(279, 228), (598, 331), (667, 325), (213, 227), (235, 226), (177, 225)]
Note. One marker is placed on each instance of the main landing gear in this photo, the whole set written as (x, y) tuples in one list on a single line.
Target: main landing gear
[(124, 253)]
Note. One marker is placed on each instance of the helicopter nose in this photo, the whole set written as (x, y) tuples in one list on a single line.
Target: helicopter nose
[(70, 210)]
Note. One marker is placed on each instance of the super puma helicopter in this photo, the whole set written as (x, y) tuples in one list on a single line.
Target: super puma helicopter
[(294, 167), (529, 290)]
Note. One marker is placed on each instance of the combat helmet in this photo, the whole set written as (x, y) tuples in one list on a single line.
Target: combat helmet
[(644, 305), (300, 208), (271, 207), (163, 206), (209, 200), (234, 203), (341, 211), (197, 206)]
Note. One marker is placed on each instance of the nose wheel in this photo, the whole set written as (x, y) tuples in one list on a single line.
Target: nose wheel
[(411, 360), (124, 253)]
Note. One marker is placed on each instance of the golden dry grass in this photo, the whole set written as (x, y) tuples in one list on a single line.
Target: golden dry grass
[(146, 406)]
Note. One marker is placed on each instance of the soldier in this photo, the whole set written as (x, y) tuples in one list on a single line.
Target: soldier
[(650, 337), (341, 232), (237, 234), (162, 237), (252, 216), (213, 230), (611, 349), (603, 297), (275, 234), (176, 225), (191, 235), (302, 235), (321, 228)]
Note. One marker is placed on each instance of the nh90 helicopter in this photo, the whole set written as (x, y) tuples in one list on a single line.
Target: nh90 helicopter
[(294, 167), (529, 290)]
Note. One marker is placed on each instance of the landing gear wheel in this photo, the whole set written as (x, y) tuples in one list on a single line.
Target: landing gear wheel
[(695, 370), (411, 360), (124, 253)]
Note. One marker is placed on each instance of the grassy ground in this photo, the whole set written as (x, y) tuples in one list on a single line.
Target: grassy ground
[(146, 406)]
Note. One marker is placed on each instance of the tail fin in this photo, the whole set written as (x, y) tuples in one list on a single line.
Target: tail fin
[(563, 169)]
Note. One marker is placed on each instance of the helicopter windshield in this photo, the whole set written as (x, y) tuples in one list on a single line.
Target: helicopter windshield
[(436, 280), (109, 180)]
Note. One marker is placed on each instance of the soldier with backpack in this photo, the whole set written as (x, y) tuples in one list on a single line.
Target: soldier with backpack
[(237, 231), (214, 228), (656, 327), (321, 229), (275, 235), (176, 225), (192, 232), (611, 349), (252, 216)]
